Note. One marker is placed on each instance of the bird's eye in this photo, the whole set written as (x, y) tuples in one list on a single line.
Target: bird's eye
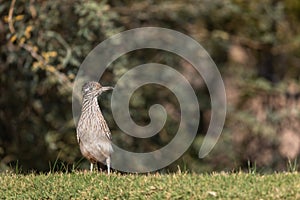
[(86, 89)]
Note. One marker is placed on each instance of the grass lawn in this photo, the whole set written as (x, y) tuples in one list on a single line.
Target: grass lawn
[(86, 185)]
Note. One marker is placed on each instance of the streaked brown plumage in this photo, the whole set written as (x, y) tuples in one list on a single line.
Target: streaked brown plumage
[(93, 134)]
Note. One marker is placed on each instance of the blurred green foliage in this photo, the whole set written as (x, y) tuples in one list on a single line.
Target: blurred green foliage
[(255, 44)]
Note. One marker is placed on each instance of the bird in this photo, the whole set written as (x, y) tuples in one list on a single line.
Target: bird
[(93, 135)]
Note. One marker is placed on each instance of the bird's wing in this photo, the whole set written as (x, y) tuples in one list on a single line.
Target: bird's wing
[(78, 135), (106, 130), (78, 138)]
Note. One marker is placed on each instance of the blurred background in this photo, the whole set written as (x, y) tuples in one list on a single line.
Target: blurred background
[(255, 44)]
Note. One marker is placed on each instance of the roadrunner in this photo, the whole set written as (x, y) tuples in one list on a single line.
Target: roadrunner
[(93, 134)]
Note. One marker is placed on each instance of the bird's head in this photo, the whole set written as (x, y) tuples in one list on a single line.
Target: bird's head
[(93, 89)]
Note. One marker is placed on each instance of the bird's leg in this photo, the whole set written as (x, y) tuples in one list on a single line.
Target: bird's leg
[(108, 164), (91, 167)]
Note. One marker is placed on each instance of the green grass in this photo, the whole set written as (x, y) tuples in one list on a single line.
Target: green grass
[(86, 185)]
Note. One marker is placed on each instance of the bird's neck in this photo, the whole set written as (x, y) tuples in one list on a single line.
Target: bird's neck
[(91, 105)]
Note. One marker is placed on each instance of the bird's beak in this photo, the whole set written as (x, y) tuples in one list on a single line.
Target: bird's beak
[(106, 88)]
